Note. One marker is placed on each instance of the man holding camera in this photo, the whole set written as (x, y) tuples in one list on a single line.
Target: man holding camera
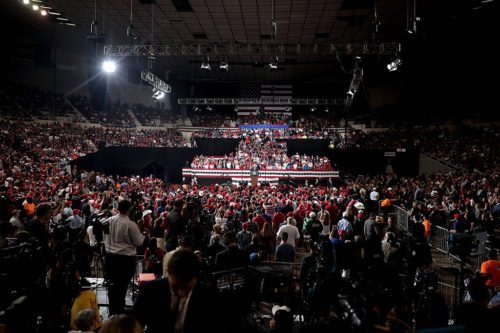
[(121, 247)]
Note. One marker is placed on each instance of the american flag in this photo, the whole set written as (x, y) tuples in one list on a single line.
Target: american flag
[(268, 93)]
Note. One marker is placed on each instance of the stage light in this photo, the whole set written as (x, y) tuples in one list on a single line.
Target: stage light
[(158, 94), (109, 66), (327, 110), (43, 12), (209, 108), (26, 2), (205, 64), (273, 65), (394, 65), (224, 66), (313, 109), (35, 7)]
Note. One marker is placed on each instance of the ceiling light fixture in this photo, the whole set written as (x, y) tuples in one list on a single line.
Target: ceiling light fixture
[(205, 64), (224, 66), (394, 65), (273, 65), (158, 95)]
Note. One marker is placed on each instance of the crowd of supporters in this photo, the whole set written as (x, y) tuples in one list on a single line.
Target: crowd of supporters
[(260, 149), (467, 147)]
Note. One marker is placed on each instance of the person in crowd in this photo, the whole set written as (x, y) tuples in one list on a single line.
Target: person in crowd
[(244, 236), (284, 251), (184, 243), (85, 321), (121, 247), (232, 257), (86, 302), (291, 230), (122, 323), (153, 256), (282, 321), (178, 303), (491, 270)]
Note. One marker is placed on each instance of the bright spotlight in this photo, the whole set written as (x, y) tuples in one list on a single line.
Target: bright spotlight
[(109, 66), (158, 94), (35, 7), (26, 2), (43, 12), (394, 65)]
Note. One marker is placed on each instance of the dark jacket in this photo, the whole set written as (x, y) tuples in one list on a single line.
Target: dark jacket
[(232, 257), (152, 308)]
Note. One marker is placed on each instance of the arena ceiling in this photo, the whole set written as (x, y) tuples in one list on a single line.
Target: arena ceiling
[(219, 22)]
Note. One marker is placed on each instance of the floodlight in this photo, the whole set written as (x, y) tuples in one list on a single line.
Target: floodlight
[(205, 64), (36, 7), (224, 66), (158, 94), (109, 66), (273, 65), (26, 2), (394, 65), (43, 12)]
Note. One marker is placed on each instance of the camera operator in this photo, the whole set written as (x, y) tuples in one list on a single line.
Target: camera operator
[(121, 247), (37, 227), (175, 225)]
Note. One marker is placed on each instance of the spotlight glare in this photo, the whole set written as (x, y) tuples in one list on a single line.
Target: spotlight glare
[(26, 2), (158, 94), (43, 12), (35, 7), (394, 65), (109, 66)]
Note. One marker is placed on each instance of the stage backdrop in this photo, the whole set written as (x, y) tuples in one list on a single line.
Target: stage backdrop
[(166, 163)]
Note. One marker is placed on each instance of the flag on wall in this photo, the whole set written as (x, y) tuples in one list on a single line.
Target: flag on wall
[(268, 93)]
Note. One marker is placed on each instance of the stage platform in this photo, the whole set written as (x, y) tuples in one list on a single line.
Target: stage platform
[(265, 176)]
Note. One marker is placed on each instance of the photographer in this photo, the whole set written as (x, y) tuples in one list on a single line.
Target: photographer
[(121, 247), (175, 225)]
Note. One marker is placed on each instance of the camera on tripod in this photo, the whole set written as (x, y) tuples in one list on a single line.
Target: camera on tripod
[(100, 225)]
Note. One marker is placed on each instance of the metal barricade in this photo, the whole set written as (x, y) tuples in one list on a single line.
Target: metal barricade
[(440, 237), (449, 293), (402, 216)]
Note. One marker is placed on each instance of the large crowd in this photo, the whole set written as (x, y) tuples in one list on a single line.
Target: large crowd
[(37, 185), (260, 149)]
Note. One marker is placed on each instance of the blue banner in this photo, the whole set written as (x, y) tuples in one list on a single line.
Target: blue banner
[(263, 126)]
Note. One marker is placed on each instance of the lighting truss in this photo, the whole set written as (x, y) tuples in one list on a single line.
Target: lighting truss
[(253, 49), (157, 83)]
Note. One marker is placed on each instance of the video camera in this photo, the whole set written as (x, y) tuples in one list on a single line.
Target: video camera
[(100, 225)]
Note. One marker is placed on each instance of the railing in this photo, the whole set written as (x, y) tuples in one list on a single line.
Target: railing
[(446, 163), (402, 217)]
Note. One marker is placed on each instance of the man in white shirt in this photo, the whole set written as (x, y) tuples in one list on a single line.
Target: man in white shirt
[(121, 244), (291, 230)]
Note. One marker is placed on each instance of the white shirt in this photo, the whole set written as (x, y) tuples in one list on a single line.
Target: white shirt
[(183, 306), (292, 231), (124, 236)]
